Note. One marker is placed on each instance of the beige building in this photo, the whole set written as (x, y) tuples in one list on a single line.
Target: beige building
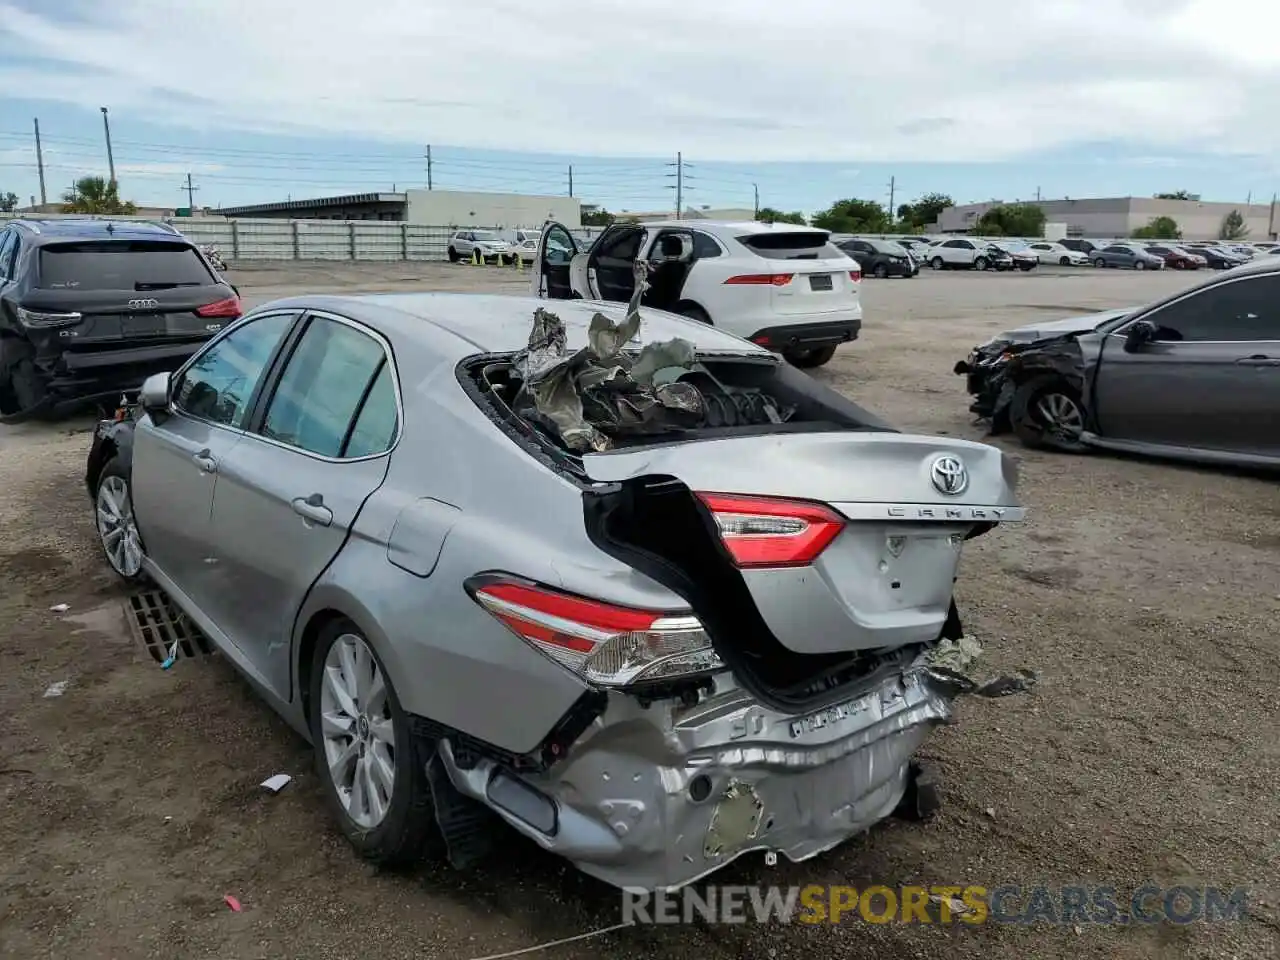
[(1120, 216), (437, 208)]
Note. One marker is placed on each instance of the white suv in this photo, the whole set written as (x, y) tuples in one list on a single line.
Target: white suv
[(960, 252), (781, 286), (465, 244)]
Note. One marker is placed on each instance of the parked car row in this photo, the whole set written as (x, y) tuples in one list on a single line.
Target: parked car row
[(880, 258)]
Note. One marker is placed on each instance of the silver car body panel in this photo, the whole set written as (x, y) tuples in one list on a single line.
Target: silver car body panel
[(457, 496)]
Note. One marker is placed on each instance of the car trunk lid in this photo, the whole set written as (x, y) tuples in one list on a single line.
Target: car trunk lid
[(903, 506), (805, 273)]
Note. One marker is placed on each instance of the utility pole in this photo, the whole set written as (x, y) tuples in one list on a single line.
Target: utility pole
[(1271, 220), (428, 166), (571, 179), (679, 187), (191, 195), (756, 188), (1037, 194), (893, 184), (111, 160), (40, 162)]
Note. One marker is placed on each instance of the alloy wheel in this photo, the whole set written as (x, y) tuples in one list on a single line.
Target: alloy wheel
[(359, 735), (1060, 415), (116, 527)]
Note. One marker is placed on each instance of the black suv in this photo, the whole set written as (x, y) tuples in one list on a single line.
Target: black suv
[(90, 308)]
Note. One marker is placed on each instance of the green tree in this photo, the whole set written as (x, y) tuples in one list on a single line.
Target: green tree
[(853, 216), (8, 202), (770, 215), (599, 217), (1233, 227), (1159, 228), (1175, 195), (95, 195), (925, 210), (1011, 220)]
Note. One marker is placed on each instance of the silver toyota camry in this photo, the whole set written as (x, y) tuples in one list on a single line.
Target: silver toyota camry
[(614, 579)]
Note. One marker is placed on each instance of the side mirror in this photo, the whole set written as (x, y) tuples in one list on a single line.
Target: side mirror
[(154, 395), (1140, 333)]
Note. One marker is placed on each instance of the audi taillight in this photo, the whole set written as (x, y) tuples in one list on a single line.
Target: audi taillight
[(603, 643), (229, 307), (762, 279), (47, 318), (772, 532)]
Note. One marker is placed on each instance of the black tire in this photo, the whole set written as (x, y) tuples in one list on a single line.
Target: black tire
[(453, 255), (1179, 265), (694, 312), (937, 263), (115, 467), (1139, 265), (881, 271), (1064, 261), (813, 357), (408, 830), (1028, 267), (981, 263), (1029, 425), (1099, 262), (922, 798)]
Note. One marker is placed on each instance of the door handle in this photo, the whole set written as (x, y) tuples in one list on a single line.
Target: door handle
[(204, 460), (1260, 360), (312, 508)]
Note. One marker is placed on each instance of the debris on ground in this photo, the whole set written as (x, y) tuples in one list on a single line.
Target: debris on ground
[(233, 903), (60, 608), (949, 663), (56, 689), (276, 782)]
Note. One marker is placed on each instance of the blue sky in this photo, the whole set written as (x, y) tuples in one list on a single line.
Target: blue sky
[(261, 104)]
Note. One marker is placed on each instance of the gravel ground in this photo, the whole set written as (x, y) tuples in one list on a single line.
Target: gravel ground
[(1145, 594)]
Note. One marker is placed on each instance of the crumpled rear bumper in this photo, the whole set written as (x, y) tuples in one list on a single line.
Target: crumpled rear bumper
[(656, 798)]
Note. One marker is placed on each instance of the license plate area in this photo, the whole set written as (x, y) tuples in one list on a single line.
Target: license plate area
[(831, 716), (144, 324), (820, 281)]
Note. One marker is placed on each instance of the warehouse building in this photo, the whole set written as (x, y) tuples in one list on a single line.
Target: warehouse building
[(1120, 216), (452, 208)]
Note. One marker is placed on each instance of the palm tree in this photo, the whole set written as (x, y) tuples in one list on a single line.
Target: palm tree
[(95, 195)]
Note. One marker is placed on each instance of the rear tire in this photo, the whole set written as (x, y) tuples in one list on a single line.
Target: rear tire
[(694, 312), (453, 255), (808, 359), (21, 386), (880, 271), (403, 832), (1046, 414), (1139, 265)]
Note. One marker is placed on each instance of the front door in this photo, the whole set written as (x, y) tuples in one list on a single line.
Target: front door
[(176, 457), (1210, 379), (553, 278), (290, 491)]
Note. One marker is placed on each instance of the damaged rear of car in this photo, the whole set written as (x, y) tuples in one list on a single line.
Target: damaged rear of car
[(814, 550)]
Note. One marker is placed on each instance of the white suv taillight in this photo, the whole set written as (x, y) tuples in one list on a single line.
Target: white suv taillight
[(604, 644)]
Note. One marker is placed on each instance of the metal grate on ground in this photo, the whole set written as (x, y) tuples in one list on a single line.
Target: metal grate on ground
[(158, 625)]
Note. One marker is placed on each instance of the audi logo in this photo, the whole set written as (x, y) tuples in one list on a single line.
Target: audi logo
[(143, 304)]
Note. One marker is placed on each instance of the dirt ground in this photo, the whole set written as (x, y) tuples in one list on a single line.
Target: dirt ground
[(1145, 594)]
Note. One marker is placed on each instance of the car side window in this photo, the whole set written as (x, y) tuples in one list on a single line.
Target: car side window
[(374, 429), (322, 387), (217, 386), (953, 244), (1242, 310), (622, 245), (704, 247), (8, 245)]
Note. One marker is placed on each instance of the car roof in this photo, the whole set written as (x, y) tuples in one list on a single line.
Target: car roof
[(475, 324), (735, 226), (94, 229)]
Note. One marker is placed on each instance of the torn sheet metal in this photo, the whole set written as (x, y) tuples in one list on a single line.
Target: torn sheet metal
[(599, 392), (735, 820), (949, 663)]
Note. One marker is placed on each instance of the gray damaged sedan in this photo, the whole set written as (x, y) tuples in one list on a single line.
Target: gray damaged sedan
[(619, 581)]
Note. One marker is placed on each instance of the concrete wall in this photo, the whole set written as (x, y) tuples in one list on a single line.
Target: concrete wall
[(1202, 221), (1120, 216), (490, 209)]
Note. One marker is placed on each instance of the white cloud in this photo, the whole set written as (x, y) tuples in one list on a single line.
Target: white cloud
[(753, 80)]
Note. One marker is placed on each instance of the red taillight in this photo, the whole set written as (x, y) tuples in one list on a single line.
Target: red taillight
[(763, 340), (229, 307), (855, 275), (763, 279), (769, 532), (602, 642)]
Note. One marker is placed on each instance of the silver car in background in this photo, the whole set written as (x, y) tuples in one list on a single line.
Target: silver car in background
[(623, 582)]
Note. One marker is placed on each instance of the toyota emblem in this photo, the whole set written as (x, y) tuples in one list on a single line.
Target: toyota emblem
[(949, 475)]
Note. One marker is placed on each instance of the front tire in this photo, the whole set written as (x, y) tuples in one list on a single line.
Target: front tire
[(453, 255), (117, 529), (1099, 263), (1064, 261), (811, 358), (880, 271), (1139, 265), (980, 264), (937, 263), (364, 750), (1046, 414)]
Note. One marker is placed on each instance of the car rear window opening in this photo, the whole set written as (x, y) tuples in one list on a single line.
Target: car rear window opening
[(121, 265), (789, 245)]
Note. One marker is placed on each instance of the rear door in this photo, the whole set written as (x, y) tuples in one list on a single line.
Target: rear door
[(132, 290), (176, 458), (288, 492), (611, 262), (1210, 380), (896, 509)]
